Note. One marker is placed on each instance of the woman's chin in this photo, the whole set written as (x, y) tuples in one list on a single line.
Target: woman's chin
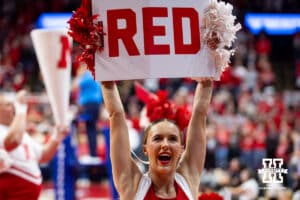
[(165, 169)]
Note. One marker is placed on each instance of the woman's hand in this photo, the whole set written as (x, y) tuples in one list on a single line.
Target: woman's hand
[(213, 42), (21, 97), (49, 149), (108, 84), (59, 133), (20, 103)]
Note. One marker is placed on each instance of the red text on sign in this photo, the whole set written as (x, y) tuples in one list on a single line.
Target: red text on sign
[(126, 35)]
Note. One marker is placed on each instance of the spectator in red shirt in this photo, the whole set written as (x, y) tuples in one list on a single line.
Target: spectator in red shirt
[(263, 45), (246, 145), (259, 145)]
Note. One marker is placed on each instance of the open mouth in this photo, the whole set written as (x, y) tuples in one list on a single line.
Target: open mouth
[(164, 158)]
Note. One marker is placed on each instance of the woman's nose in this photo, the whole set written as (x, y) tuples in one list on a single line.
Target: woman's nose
[(165, 144)]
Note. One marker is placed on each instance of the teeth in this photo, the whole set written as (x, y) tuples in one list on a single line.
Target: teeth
[(164, 157)]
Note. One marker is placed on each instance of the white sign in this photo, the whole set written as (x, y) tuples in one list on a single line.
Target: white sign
[(272, 170), (151, 39)]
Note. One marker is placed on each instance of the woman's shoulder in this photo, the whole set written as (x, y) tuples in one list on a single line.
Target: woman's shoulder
[(183, 184), (145, 184), (143, 187)]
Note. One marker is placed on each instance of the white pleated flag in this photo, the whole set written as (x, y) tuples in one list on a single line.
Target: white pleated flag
[(53, 50)]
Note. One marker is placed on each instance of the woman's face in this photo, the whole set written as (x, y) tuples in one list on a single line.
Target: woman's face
[(163, 147)]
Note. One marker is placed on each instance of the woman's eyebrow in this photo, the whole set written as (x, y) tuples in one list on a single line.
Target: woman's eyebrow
[(156, 135), (173, 135)]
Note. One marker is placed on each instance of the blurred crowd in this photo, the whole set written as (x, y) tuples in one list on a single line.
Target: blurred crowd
[(254, 114)]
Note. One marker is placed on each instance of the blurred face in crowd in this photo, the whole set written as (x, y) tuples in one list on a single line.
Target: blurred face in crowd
[(163, 145), (234, 165), (245, 175), (7, 111)]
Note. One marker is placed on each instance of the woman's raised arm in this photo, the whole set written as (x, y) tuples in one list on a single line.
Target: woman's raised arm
[(194, 156), (125, 172)]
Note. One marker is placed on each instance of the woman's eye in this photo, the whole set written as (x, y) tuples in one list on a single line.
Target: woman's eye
[(156, 138), (173, 139)]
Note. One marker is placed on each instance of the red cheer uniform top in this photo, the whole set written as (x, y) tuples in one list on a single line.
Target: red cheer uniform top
[(179, 194), (146, 191)]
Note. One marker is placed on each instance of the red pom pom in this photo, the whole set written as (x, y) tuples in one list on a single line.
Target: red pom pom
[(210, 196), (161, 108), (183, 116), (88, 33)]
